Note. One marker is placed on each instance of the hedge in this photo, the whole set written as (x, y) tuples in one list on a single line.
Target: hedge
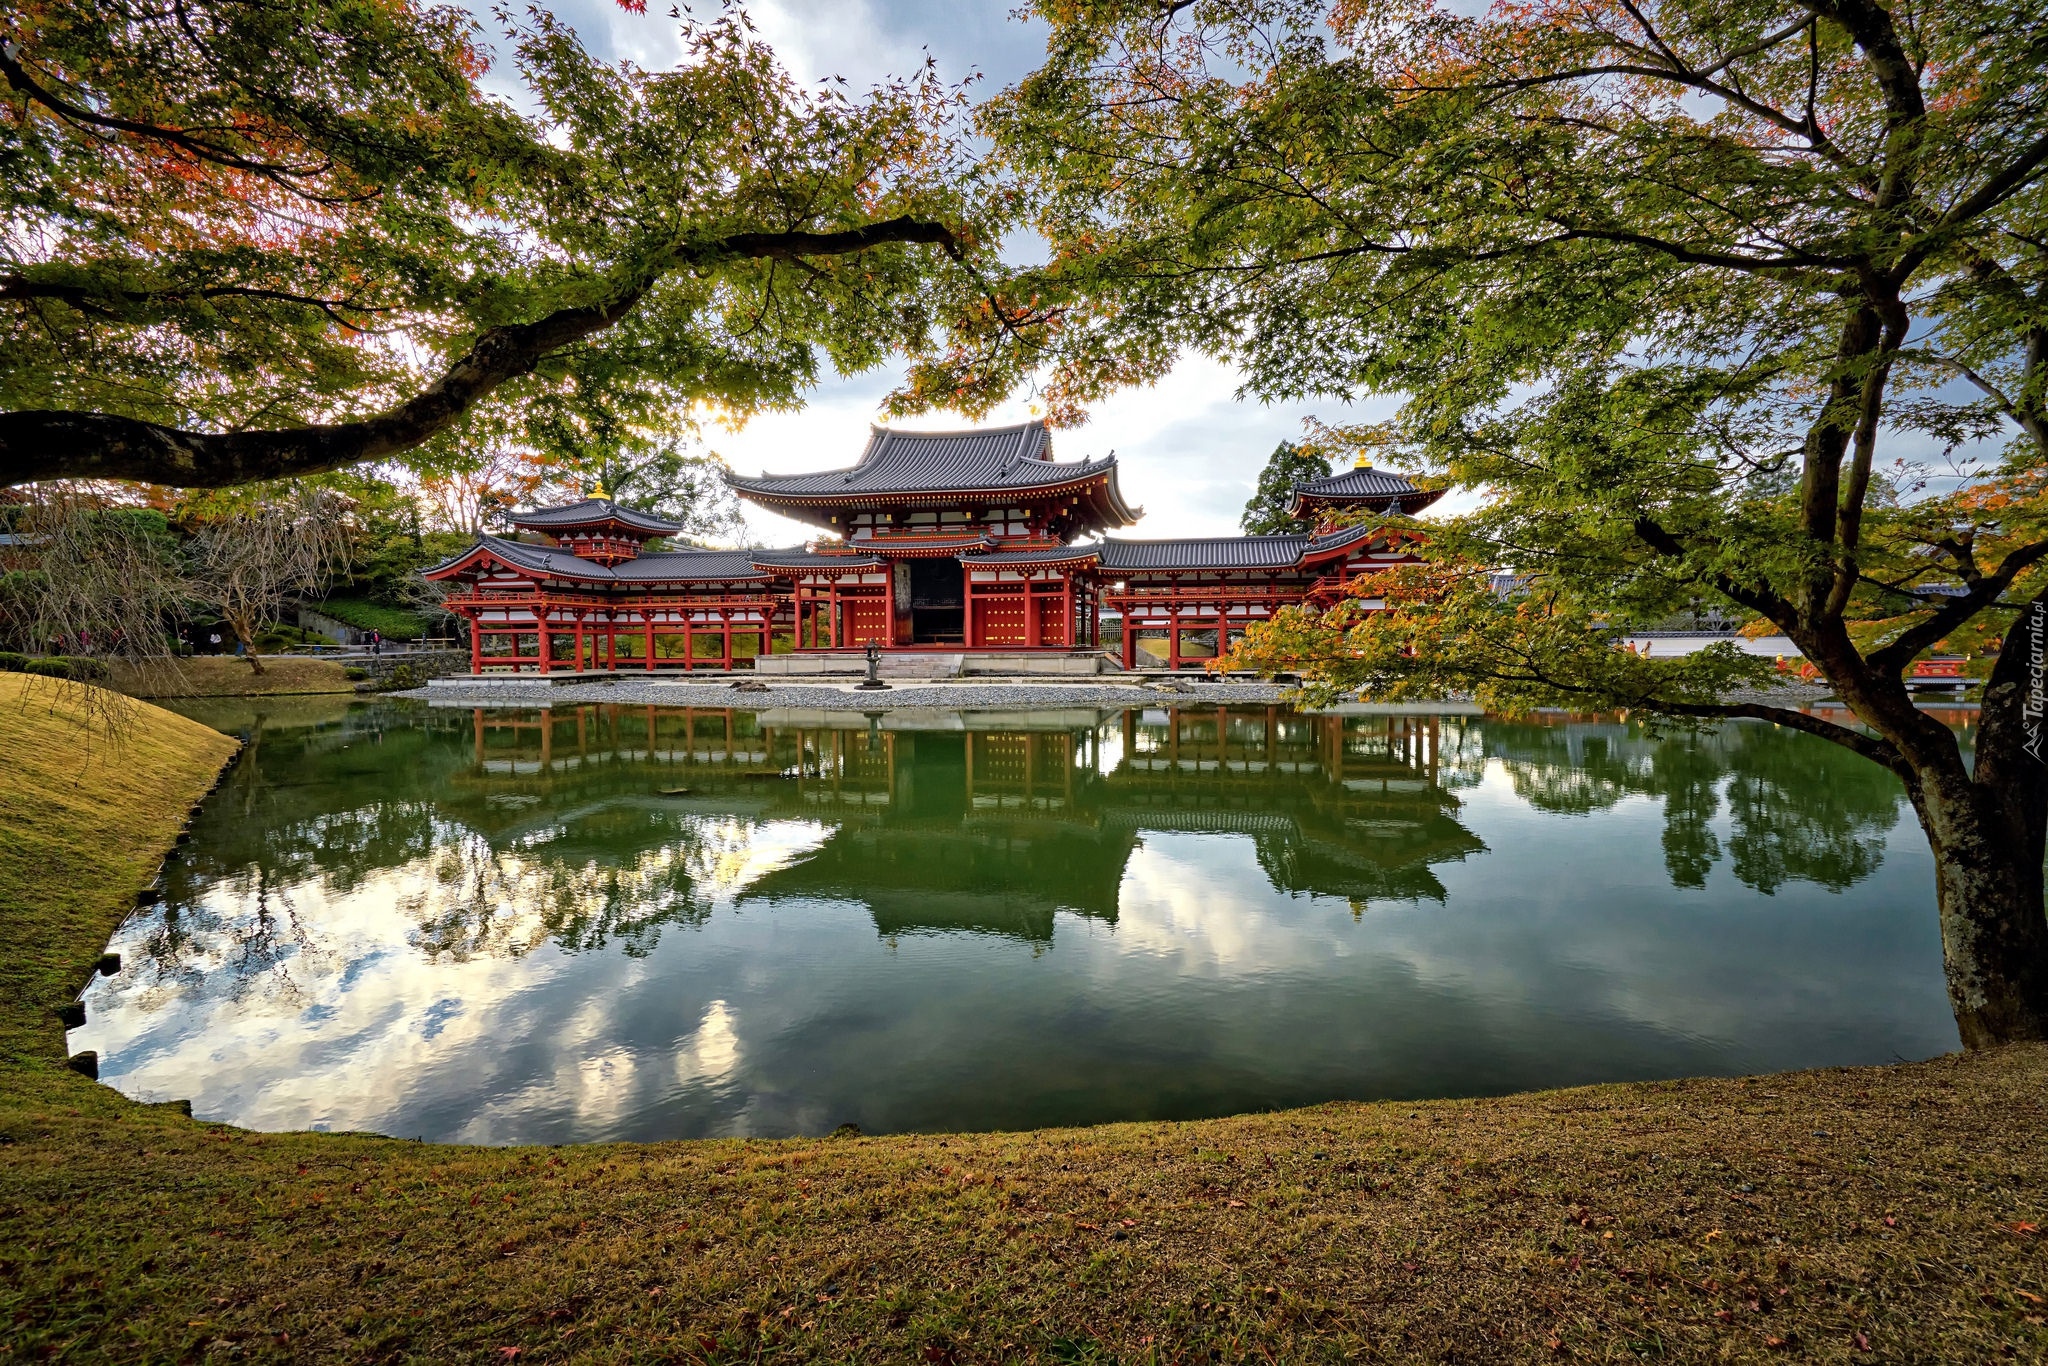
[(75, 667), (364, 615)]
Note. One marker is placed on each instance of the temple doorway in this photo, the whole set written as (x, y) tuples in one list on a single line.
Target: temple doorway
[(937, 602)]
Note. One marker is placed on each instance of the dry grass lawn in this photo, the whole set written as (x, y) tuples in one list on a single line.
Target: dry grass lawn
[(1884, 1214), (228, 676)]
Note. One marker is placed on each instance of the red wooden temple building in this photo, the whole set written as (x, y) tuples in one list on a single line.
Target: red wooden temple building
[(975, 542)]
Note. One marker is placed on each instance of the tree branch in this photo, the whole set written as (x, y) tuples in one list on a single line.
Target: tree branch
[(1869, 746), (104, 301), (2031, 423), (275, 172), (1893, 658), (53, 444), (1763, 603)]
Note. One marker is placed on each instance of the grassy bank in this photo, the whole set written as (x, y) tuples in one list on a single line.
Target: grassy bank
[(229, 676), (1874, 1214), (84, 821)]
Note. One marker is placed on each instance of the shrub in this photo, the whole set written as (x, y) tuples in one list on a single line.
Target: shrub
[(404, 676), (355, 675), (278, 636), (85, 668), (12, 663), (364, 615), (79, 668)]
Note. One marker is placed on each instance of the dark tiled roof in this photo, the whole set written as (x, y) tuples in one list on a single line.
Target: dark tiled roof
[(996, 458), (913, 546), (1363, 482), (544, 559), (1342, 538), (594, 512), (1005, 559), (805, 559), (1363, 485), (1223, 552), (674, 566)]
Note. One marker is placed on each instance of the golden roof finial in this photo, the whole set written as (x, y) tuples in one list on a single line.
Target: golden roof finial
[(597, 490)]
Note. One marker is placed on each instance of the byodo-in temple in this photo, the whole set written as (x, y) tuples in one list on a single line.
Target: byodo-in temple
[(971, 544)]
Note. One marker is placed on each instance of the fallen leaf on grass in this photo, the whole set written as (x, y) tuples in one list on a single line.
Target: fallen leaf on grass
[(1862, 1341), (1233, 1204)]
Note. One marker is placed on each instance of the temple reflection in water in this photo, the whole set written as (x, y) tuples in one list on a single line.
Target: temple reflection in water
[(606, 922), (991, 824)]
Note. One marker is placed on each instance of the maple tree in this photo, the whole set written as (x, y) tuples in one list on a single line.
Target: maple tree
[(1742, 302), (257, 241)]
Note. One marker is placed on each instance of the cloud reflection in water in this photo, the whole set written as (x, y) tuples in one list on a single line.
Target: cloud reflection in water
[(612, 922)]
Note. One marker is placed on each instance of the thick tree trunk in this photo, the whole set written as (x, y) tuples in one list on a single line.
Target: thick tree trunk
[(246, 635), (1987, 829), (1985, 822), (1988, 885)]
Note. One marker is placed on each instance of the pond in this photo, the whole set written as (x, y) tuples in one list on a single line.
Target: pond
[(624, 922)]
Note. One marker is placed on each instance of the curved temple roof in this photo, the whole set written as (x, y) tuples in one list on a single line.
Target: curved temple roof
[(595, 512), (1361, 487), (1020, 559), (802, 558), (1288, 550), (672, 566), (1004, 462)]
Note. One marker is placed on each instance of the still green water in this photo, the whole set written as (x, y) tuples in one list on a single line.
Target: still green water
[(604, 922)]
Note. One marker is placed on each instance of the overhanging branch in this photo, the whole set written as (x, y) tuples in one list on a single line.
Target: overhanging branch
[(42, 444), (1956, 613), (1869, 746)]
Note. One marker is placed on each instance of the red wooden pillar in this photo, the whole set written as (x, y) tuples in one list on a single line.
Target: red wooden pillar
[(476, 644), (689, 641), (545, 645), (1031, 609), (647, 625), (579, 641)]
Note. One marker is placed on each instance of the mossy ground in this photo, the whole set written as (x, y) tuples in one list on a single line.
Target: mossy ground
[(230, 676), (1850, 1215)]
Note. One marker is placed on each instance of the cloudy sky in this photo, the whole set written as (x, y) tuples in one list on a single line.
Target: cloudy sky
[(1190, 452)]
